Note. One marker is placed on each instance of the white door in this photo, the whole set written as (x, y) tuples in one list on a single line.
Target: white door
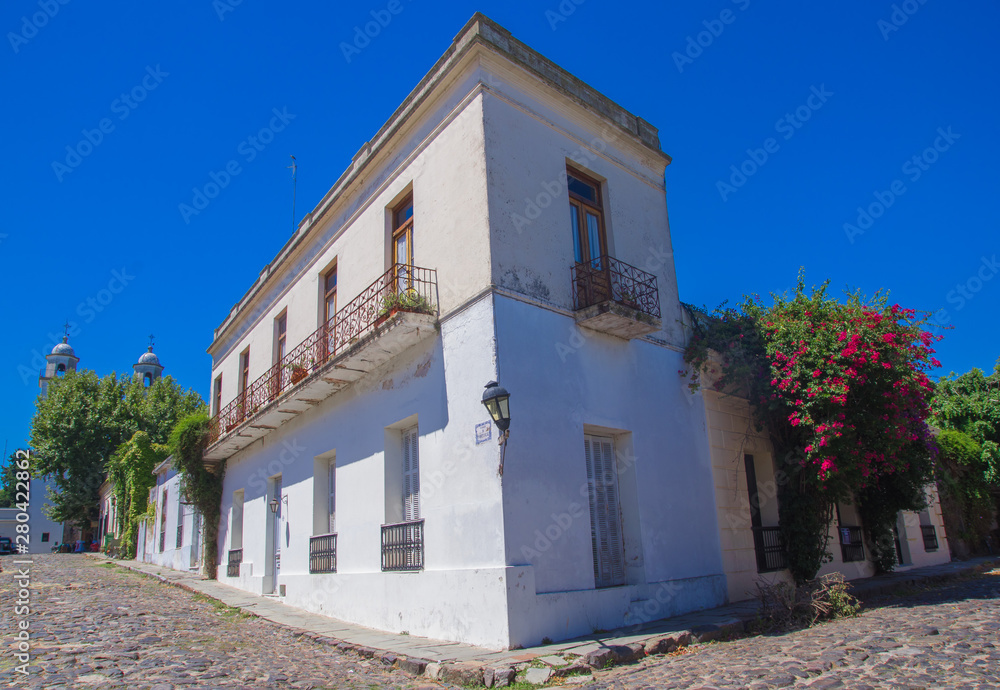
[(195, 539), (605, 512)]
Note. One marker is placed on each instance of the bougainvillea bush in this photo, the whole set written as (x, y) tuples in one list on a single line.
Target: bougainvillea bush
[(841, 388)]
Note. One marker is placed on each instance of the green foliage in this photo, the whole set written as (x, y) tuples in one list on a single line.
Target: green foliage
[(202, 486), (967, 409), (131, 471), (841, 390), (83, 420), (784, 606), (8, 481), (408, 300)]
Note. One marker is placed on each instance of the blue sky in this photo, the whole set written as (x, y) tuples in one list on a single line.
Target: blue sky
[(152, 99)]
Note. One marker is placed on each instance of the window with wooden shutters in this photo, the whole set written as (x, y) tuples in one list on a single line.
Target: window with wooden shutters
[(332, 500), (605, 513), (411, 476)]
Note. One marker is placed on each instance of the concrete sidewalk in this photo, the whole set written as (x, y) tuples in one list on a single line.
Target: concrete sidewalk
[(464, 664)]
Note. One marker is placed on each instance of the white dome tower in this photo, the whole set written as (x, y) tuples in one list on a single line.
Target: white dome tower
[(60, 360), (148, 366)]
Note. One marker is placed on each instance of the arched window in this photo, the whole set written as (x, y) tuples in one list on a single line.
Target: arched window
[(147, 380), (61, 369)]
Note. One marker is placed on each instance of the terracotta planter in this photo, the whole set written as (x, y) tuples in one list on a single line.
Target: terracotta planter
[(299, 373)]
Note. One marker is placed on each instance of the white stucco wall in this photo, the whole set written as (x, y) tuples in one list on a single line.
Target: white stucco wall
[(39, 526), (632, 392), (438, 385), (187, 557)]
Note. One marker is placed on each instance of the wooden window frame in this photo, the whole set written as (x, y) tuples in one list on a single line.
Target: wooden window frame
[(217, 395), (583, 205), (401, 228), (329, 293)]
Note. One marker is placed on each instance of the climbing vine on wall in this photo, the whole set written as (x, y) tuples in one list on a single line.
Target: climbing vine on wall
[(130, 470), (841, 389)]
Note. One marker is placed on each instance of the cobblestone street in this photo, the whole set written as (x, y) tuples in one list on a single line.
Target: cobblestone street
[(942, 638), (97, 625)]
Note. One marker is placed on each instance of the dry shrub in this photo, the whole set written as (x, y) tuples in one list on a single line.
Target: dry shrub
[(783, 606)]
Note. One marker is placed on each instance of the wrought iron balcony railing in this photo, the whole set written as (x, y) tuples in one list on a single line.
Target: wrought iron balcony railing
[(402, 288), (233, 564), (607, 279), (323, 554), (770, 549), (403, 546), (930, 537), (852, 546)]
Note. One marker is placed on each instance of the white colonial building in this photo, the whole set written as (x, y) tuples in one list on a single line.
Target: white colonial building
[(509, 224), (172, 536)]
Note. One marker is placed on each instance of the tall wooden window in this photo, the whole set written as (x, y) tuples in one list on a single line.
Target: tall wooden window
[(605, 512), (586, 218), (411, 476), (402, 241), (245, 370), (217, 394), (281, 333), (330, 294)]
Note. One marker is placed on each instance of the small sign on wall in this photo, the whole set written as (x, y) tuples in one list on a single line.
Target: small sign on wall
[(484, 432)]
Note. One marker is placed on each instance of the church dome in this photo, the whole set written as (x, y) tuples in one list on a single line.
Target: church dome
[(149, 358), (64, 349)]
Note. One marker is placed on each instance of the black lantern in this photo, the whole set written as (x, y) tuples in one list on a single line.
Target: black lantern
[(275, 502), (497, 402)]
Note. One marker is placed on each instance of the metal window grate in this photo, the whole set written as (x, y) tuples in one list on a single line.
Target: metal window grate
[(852, 547), (770, 549), (401, 288), (180, 535), (233, 565), (323, 554), (606, 279), (163, 541), (930, 537), (403, 546)]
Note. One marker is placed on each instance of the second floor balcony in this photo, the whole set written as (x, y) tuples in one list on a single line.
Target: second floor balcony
[(613, 297), (391, 315)]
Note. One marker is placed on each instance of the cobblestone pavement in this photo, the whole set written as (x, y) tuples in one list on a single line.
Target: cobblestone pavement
[(945, 637), (96, 625)]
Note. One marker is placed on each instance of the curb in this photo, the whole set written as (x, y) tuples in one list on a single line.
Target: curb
[(504, 674)]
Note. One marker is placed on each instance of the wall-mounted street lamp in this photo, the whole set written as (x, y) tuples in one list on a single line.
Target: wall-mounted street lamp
[(274, 503), (497, 402)]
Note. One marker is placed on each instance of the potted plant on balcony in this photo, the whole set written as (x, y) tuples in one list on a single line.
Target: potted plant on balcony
[(299, 368), (629, 299), (409, 300)]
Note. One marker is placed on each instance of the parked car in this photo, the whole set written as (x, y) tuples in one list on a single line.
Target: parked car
[(6, 546)]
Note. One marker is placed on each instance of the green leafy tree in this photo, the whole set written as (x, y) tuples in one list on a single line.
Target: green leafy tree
[(131, 471), (842, 391), (8, 481), (967, 409), (83, 420)]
